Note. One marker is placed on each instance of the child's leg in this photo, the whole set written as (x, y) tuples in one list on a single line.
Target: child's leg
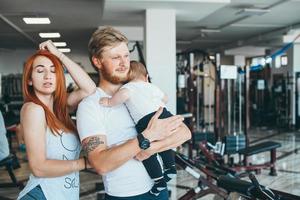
[(154, 170), (168, 159)]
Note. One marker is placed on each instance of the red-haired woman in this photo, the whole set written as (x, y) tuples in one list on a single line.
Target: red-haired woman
[(51, 139)]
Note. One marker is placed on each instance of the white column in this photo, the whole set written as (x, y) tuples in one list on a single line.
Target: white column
[(160, 51)]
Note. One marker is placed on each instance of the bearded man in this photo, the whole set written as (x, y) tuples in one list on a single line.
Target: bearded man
[(108, 134)]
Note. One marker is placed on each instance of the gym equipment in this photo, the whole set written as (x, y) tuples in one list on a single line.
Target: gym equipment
[(247, 152), (11, 163), (222, 181), (204, 186), (252, 190), (99, 187), (282, 94), (234, 143), (259, 148), (11, 86), (268, 59), (297, 75)]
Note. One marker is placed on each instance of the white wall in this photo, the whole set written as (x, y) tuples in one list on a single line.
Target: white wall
[(11, 61)]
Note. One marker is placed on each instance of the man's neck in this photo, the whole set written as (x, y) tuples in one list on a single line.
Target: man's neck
[(108, 87)]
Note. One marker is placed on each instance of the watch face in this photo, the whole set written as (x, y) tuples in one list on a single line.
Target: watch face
[(145, 144)]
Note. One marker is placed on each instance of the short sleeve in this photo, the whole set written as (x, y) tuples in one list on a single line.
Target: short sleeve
[(128, 87), (158, 91), (89, 122)]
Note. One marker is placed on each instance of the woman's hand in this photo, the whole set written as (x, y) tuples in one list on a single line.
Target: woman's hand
[(48, 45), (159, 129)]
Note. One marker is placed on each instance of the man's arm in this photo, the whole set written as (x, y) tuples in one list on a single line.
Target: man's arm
[(105, 159), (180, 135)]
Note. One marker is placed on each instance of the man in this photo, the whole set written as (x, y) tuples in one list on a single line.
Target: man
[(108, 134)]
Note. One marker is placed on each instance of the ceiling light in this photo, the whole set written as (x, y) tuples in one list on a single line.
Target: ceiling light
[(49, 35), (60, 44), (183, 42), (36, 20), (207, 30), (257, 25), (252, 11), (65, 50)]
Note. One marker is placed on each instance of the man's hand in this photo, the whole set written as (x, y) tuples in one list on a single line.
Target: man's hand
[(104, 101), (159, 129)]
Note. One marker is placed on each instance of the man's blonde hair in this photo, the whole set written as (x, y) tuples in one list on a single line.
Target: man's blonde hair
[(102, 38), (137, 70)]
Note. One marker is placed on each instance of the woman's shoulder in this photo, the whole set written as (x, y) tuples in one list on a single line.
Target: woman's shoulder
[(31, 113), (32, 108)]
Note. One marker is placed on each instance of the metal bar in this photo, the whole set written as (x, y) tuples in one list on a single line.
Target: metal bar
[(19, 30)]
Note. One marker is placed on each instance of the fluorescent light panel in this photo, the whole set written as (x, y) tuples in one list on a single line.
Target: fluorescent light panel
[(49, 35), (207, 30), (252, 11), (60, 44), (257, 25), (65, 50), (36, 20)]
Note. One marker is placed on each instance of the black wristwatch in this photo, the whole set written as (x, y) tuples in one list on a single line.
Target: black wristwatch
[(144, 143)]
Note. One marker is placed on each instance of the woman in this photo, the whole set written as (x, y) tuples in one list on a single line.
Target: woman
[(50, 136)]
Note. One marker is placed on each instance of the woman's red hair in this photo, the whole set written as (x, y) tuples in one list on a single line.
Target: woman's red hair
[(59, 119)]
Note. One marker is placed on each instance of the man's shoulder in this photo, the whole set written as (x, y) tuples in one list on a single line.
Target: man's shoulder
[(92, 99)]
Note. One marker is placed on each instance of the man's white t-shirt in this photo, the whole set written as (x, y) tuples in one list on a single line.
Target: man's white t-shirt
[(115, 123), (144, 98)]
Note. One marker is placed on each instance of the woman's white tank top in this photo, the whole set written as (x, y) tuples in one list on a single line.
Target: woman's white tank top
[(58, 147)]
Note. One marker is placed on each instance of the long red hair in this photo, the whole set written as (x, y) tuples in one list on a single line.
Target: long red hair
[(59, 119)]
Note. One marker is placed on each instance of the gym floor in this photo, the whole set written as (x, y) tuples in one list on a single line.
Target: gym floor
[(287, 180)]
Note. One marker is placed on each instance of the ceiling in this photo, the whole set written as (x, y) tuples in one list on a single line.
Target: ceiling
[(77, 19)]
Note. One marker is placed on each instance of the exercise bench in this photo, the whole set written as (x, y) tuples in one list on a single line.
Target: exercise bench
[(260, 148), (11, 163)]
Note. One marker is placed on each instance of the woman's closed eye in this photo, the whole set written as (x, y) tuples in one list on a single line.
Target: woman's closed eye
[(40, 70)]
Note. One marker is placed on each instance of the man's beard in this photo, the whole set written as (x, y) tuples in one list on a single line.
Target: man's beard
[(111, 78)]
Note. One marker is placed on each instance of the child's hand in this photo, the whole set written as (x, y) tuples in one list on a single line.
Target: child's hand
[(104, 101)]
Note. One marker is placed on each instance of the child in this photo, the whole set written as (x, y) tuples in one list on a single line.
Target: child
[(142, 100)]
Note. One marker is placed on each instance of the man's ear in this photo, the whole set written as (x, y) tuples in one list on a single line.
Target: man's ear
[(97, 62)]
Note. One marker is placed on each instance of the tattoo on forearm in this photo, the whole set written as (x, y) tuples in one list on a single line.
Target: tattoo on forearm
[(91, 144)]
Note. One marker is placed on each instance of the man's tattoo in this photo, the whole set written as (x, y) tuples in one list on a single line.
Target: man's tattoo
[(92, 144)]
